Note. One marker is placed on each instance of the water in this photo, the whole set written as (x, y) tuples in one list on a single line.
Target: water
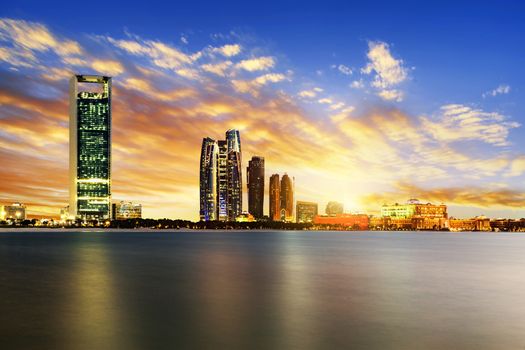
[(261, 290)]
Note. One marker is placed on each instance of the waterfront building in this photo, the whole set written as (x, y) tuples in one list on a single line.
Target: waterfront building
[(479, 223), (275, 198), (255, 184), (306, 211), (234, 198), (126, 210), (90, 147), (286, 198), (334, 208), (414, 208), (345, 221), (13, 212), (221, 178), (208, 180), (245, 217)]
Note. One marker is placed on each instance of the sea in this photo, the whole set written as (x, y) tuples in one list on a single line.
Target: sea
[(162, 289)]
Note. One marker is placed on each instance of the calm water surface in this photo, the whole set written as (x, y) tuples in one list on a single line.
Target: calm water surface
[(261, 290)]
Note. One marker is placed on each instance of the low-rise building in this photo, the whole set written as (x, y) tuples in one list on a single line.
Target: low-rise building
[(347, 221), (126, 210), (305, 211), (13, 212)]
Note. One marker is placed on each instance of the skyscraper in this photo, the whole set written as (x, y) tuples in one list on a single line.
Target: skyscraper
[(234, 199), (255, 184), (275, 198), (222, 181), (221, 178), (286, 196), (208, 180), (90, 147)]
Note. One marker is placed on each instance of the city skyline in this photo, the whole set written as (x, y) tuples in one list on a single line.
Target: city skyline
[(377, 120)]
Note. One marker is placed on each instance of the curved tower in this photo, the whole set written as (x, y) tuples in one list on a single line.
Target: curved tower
[(208, 180), (234, 197), (286, 197), (275, 198)]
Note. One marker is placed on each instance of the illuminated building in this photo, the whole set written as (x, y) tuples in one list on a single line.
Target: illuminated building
[(90, 147), (353, 221), (234, 199), (255, 184), (221, 178), (126, 210), (479, 223), (305, 211), (413, 208), (334, 208), (245, 217), (14, 212), (208, 180), (286, 198), (275, 198), (222, 181)]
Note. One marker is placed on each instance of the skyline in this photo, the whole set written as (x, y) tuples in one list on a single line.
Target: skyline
[(363, 127)]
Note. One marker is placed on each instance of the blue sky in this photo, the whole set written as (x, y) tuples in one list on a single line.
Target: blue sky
[(437, 87)]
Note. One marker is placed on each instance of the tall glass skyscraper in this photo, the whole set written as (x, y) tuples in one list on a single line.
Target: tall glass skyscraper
[(208, 180), (286, 198), (90, 147), (275, 198), (221, 178), (255, 184), (234, 202)]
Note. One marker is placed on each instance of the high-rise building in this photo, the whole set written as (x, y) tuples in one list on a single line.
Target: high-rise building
[(334, 208), (90, 147), (255, 184), (234, 199), (306, 211), (13, 212), (208, 180), (275, 198), (126, 210), (286, 196), (222, 181), (221, 178)]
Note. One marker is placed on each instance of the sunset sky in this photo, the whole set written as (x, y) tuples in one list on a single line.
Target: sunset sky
[(362, 104)]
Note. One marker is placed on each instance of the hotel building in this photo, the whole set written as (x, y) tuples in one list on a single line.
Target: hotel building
[(90, 147)]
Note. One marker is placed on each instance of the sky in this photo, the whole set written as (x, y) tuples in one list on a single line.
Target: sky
[(361, 103)]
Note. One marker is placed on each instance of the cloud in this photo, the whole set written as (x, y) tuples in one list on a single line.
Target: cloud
[(344, 69), (391, 95), (387, 70), (336, 106), (229, 50), (502, 89), (253, 86), (28, 38), (218, 68), (256, 64), (471, 196), (456, 122), (110, 68), (325, 100), (357, 84)]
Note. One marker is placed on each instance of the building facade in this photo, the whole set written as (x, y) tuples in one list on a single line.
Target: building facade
[(208, 180), (286, 198), (90, 147), (334, 208), (415, 215), (234, 198), (344, 221), (220, 182), (305, 212), (13, 212), (255, 185), (275, 198), (126, 210)]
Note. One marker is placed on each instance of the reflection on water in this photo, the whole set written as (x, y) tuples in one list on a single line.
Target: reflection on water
[(268, 290)]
